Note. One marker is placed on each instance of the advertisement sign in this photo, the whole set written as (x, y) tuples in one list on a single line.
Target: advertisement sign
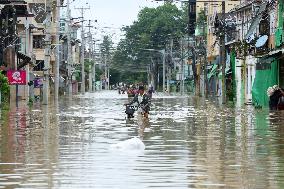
[(17, 77), (38, 82)]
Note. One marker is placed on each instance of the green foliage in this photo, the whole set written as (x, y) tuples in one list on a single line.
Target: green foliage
[(4, 87), (115, 76), (88, 64), (201, 18), (134, 78), (106, 46), (152, 30), (99, 72), (31, 102)]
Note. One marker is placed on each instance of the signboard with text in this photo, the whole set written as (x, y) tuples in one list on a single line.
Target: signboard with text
[(17, 77)]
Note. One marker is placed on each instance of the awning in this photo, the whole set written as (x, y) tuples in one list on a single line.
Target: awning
[(276, 52), (213, 71), (23, 56), (25, 60), (272, 55), (267, 59)]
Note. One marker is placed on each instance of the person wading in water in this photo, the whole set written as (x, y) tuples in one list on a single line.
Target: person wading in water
[(275, 95), (143, 101)]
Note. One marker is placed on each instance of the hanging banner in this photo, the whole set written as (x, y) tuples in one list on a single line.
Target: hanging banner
[(17, 77)]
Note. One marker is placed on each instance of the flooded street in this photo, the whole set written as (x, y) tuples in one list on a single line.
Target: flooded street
[(189, 143)]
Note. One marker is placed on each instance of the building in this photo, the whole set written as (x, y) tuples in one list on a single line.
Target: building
[(15, 39), (37, 42), (242, 54), (270, 65), (214, 24), (75, 53), (254, 50)]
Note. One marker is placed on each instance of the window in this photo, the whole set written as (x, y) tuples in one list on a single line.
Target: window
[(38, 41)]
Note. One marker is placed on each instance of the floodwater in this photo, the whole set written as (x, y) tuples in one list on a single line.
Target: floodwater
[(189, 143)]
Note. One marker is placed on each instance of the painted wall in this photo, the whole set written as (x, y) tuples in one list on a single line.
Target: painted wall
[(263, 79)]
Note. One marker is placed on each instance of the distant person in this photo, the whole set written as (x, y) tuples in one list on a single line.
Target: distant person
[(119, 89), (130, 91), (143, 101), (123, 89)]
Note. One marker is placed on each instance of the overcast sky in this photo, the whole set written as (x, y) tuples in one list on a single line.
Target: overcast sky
[(111, 14)]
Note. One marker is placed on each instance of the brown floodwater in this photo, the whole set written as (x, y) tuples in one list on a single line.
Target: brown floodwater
[(189, 143)]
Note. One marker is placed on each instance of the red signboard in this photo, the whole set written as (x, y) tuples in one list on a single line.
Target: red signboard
[(17, 77)]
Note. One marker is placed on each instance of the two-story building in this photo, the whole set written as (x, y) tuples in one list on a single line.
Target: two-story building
[(214, 13), (268, 50)]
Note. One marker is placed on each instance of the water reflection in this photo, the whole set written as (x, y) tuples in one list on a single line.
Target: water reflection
[(190, 143)]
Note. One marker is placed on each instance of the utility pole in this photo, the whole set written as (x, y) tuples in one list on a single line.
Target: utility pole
[(47, 53), (108, 78), (205, 63), (69, 50), (83, 50), (105, 62), (90, 58), (152, 74), (83, 58), (94, 67), (182, 68), (57, 55), (164, 69), (169, 68), (148, 75), (191, 32), (223, 54), (27, 52), (168, 78)]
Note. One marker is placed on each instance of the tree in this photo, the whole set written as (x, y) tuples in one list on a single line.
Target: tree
[(106, 46), (106, 49), (152, 30), (4, 88)]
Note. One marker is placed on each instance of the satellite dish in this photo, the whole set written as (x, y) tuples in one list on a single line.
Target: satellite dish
[(261, 41)]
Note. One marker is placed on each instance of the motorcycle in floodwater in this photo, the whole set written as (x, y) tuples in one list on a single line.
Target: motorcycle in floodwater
[(130, 110)]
